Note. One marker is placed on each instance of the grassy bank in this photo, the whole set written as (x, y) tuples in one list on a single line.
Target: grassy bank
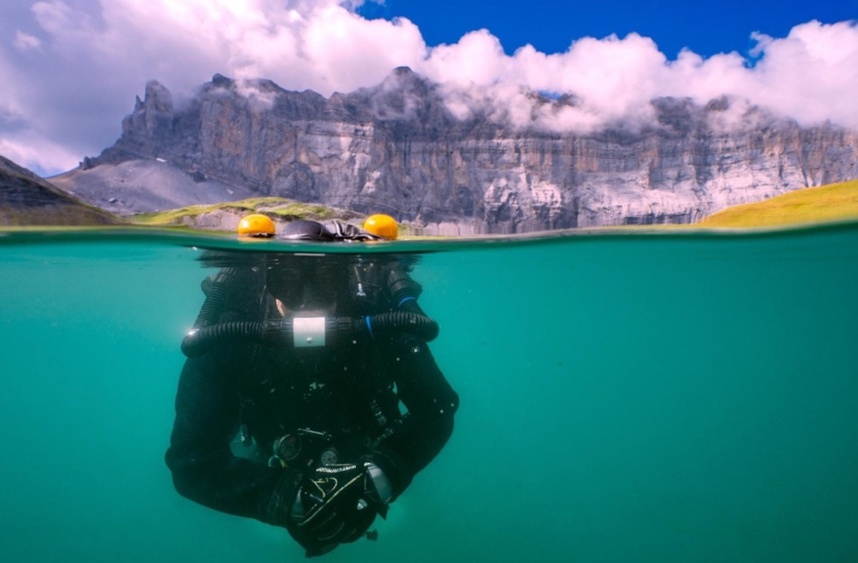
[(832, 203), (279, 209), (835, 202)]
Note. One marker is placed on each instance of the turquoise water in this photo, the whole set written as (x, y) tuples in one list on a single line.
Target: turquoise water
[(624, 398)]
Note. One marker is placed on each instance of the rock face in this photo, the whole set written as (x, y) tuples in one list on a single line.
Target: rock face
[(27, 200), (396, 148)]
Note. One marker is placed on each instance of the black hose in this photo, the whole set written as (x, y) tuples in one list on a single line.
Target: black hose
[(338, 329), (217, 293), (198, 341), (212, 306), (401, 321)]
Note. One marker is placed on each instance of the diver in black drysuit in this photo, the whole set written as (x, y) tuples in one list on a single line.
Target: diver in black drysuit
[(316, 439)]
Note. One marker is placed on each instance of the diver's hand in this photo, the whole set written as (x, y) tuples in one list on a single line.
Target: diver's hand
[(379, 490), (333, 507)]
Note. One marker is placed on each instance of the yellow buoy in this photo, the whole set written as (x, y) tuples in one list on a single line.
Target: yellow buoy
[(256, 225), (382, 225)]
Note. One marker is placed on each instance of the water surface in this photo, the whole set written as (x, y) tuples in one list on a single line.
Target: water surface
[(680, 397)]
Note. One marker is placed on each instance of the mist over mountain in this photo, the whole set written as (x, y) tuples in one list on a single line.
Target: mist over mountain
[(398, 148)]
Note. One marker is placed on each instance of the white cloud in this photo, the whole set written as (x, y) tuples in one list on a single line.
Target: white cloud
[(810, 75), (26, 42), (477, 59), (33, 153), (76, 66), (350, 51)]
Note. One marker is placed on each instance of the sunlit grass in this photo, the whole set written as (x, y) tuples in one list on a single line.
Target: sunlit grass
[(832, 203), (275, 207), (278, 208)]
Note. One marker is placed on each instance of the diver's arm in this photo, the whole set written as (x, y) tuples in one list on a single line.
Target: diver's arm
[(199, 457), (431, 404)]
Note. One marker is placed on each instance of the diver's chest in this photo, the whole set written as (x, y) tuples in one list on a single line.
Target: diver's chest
[(312, 378)]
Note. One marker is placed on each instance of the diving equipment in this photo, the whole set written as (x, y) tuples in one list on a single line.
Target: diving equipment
[(287, 448), (333, 507), (256, 225), (302, 447), (337, 330), (340, 232), (307, 230), (379, 297), (382, 225)]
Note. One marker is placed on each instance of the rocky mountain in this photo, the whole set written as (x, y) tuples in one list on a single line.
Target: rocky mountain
[(396, 148), (27, 200)]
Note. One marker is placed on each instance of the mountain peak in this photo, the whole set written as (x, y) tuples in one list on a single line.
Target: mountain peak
[(220, 80)]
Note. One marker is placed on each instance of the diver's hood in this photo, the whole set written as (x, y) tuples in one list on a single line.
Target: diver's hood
[(317, 232)]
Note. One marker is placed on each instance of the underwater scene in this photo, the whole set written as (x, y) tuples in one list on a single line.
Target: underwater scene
[(682, 396)]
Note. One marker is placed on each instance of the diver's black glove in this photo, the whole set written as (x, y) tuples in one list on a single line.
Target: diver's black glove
[(390, 476), (334, 505)]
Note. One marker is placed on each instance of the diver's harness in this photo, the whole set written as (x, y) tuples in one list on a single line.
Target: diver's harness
[(306, 446)]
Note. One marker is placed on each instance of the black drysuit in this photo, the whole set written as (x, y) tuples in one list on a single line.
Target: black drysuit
[(380, 398)]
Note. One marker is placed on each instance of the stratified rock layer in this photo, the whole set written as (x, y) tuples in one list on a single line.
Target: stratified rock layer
[(395, 148)]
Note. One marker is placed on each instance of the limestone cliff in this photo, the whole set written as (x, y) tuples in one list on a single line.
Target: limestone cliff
[(396, 148)]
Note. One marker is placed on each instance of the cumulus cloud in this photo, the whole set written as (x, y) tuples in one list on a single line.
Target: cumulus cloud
[(809, 76), (611, 78), (73, 67)]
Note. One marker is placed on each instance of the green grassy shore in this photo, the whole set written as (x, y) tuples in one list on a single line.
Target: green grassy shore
[(275, 207), (825, 204), (809, 206)]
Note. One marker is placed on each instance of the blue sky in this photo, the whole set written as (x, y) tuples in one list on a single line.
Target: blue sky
[(705, 27), (70, 69)]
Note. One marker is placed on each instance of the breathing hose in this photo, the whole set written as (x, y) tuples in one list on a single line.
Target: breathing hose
[(310, 332), (216, 295)]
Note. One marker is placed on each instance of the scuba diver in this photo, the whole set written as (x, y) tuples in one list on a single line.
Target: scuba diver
[(309, 398)]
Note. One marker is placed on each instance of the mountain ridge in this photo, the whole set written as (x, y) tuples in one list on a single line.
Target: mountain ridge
[(397, 147), (28, 200)]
